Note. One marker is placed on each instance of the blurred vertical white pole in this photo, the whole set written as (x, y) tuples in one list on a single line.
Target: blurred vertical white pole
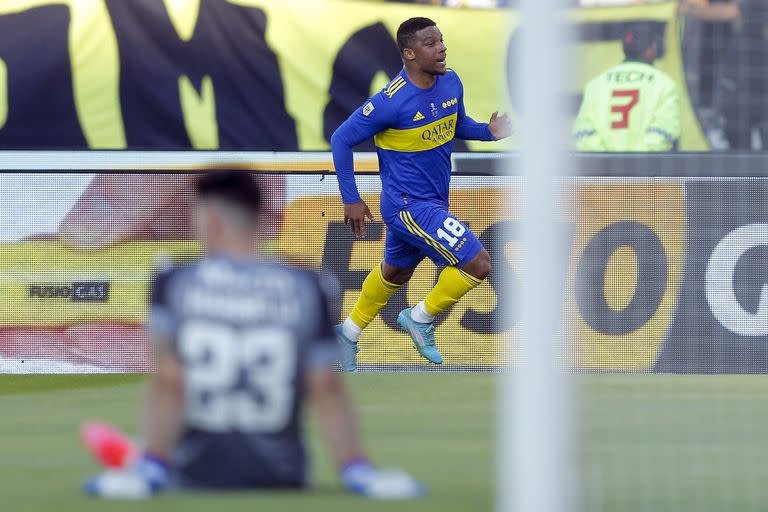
[(535, 467)]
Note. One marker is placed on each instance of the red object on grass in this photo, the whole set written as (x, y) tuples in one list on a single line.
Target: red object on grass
[(108, 445)]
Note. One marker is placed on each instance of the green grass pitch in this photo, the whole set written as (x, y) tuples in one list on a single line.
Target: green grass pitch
[(643, 442)]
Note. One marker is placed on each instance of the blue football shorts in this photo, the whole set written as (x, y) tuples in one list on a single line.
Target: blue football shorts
[(425, 229)]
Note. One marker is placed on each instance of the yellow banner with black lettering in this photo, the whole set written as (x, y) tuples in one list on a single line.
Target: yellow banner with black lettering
[(255, 74)]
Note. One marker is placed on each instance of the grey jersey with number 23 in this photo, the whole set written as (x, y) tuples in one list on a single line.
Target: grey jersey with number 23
[(245, 331)]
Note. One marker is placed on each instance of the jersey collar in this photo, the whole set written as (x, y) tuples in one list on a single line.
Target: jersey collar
[(419, 89)]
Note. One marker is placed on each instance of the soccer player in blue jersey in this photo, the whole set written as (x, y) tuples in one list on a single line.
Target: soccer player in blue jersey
[(413, 121), (239, 342)]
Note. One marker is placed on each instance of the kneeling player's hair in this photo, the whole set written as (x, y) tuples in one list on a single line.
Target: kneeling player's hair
[(406, 33), (236, 188)]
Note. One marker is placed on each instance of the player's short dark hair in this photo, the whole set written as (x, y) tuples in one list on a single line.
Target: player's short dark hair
[(637, 38), (235, 187), (406, 32)]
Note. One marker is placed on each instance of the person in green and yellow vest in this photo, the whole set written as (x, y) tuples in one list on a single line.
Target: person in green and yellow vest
[(631, 107)]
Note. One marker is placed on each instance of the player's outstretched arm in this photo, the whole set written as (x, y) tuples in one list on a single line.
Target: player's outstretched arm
[(338, 422), (149, 473), (163, 411), (499, 127), (355, 209), (164, 404), (375, 115), (335, 415)]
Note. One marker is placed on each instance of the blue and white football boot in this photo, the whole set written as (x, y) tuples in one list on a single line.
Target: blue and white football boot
[(348, 350), (423, 336)]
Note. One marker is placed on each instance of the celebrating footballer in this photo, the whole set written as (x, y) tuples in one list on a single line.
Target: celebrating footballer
[(413, 121)]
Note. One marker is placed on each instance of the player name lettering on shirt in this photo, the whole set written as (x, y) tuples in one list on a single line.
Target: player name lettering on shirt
[(241, 308), (629, 77), (223, 275), (440, 132)]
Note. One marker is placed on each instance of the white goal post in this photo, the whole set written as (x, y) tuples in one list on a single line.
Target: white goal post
[(535, 468)]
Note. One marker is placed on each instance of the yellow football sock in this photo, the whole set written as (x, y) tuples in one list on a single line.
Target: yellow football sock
[(451, 286), (374, 296)]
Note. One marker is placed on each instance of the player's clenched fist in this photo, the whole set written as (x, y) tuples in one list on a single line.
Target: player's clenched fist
[(354, 217)]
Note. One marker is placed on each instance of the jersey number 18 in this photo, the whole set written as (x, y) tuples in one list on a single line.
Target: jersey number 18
[(453, 226)]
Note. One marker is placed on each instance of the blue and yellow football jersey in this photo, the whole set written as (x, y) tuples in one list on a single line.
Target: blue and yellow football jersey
[(413, 130)]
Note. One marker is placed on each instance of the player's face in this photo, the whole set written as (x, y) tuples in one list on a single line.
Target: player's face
[(429, 51), (201, 221), (208, 222)]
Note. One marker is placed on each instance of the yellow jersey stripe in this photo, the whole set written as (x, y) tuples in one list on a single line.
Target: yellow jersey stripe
[(470, 278), (427, 240), (422, 138), (402, 218), (407, 225), (393, 83), (397, 88), (416, 230)]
